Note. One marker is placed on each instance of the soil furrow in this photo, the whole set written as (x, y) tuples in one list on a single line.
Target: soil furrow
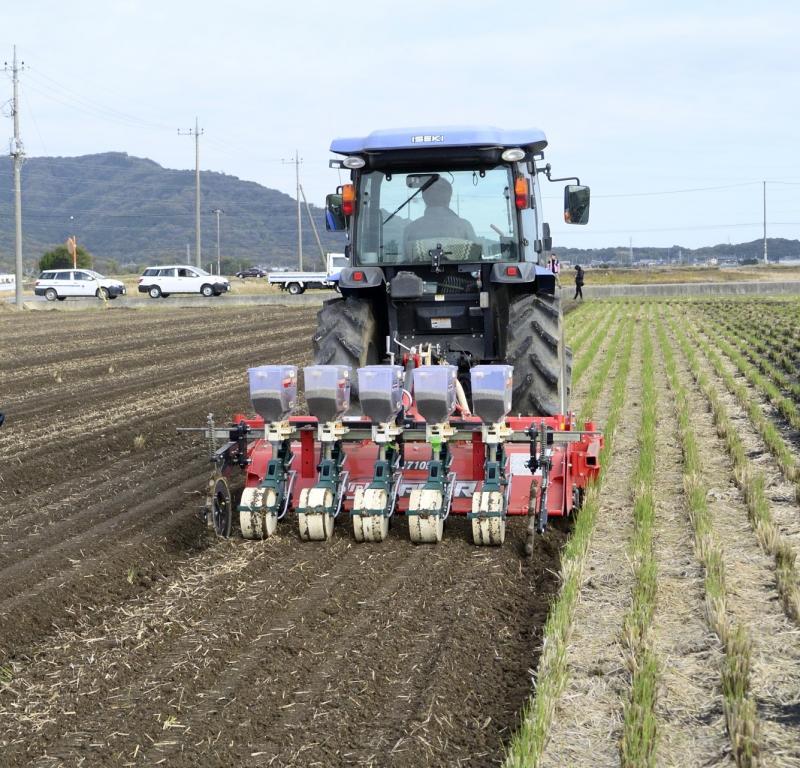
[(55, 396), (752, 595), (690, 722), (109, 346), (123, 561), (390, 591), (588, 721), (227, 613), (113, 408), (129, 628), (79, 506)]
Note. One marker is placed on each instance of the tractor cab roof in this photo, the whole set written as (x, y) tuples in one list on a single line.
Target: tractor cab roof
[(441, 137)]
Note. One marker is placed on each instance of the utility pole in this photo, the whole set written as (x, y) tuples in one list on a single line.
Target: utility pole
[(766, 261), (217, 212), (17, 152), (197, 133), (297, 160)]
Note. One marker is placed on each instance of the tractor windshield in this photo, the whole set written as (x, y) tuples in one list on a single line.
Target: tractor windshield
[(402, 217)]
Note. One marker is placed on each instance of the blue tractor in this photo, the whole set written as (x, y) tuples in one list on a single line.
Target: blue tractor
[(448, 253)]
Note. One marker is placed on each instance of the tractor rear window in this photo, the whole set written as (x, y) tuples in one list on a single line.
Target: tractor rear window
[(402, 217)]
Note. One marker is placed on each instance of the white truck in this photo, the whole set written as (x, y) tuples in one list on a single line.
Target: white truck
[(297, 282)]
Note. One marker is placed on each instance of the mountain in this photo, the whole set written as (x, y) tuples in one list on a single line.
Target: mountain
[(131, 211)]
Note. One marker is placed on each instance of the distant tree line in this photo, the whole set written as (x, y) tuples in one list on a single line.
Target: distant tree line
[(778, 249)]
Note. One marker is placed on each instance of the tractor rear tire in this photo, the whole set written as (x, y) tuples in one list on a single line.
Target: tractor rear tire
[(347, 335), (532, 348)]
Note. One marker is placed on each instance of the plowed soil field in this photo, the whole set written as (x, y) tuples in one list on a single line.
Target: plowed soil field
[(130, 636)]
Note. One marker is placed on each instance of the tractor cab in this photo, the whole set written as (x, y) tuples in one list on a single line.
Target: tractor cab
[(474, 192)]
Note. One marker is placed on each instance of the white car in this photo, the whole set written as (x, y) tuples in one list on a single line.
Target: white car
[(61, 283), (160, 282)]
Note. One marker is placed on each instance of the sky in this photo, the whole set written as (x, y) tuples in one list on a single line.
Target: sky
[(673, 113)]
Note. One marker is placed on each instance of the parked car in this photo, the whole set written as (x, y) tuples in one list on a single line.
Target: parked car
[(251, 272), (179, 278), (61, 283)]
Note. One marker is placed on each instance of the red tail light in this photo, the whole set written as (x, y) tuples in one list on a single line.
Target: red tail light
[(521, 192), (358, 276), (348, 199), (512, 271)]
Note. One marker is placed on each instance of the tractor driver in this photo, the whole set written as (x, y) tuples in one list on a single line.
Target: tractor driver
[(438, 221)]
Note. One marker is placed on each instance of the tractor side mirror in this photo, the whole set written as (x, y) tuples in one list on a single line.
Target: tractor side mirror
[(576, 204), (335, 220)]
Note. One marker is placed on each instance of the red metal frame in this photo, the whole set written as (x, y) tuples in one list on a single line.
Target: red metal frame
[(573, 464)]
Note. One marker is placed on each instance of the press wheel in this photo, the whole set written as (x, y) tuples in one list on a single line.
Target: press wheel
[(489, 521), (488, 531), (257, 516), (426, 529), (316, 525), (370, 527)]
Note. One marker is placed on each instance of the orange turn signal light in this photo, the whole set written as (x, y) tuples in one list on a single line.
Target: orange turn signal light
[(348, 199), (521, 192)]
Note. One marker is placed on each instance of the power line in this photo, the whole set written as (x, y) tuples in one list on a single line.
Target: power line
[(51, 88), (29, 112), (680, 191)]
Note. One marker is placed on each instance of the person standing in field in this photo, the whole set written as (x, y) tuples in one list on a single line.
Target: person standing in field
[(579, 282), (555, 265)]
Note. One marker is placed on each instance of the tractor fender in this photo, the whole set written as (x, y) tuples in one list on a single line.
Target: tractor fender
[(525, 272), (371, 277)]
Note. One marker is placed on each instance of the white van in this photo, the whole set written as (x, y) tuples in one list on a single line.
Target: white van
[(60, 283), (160, 282)]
